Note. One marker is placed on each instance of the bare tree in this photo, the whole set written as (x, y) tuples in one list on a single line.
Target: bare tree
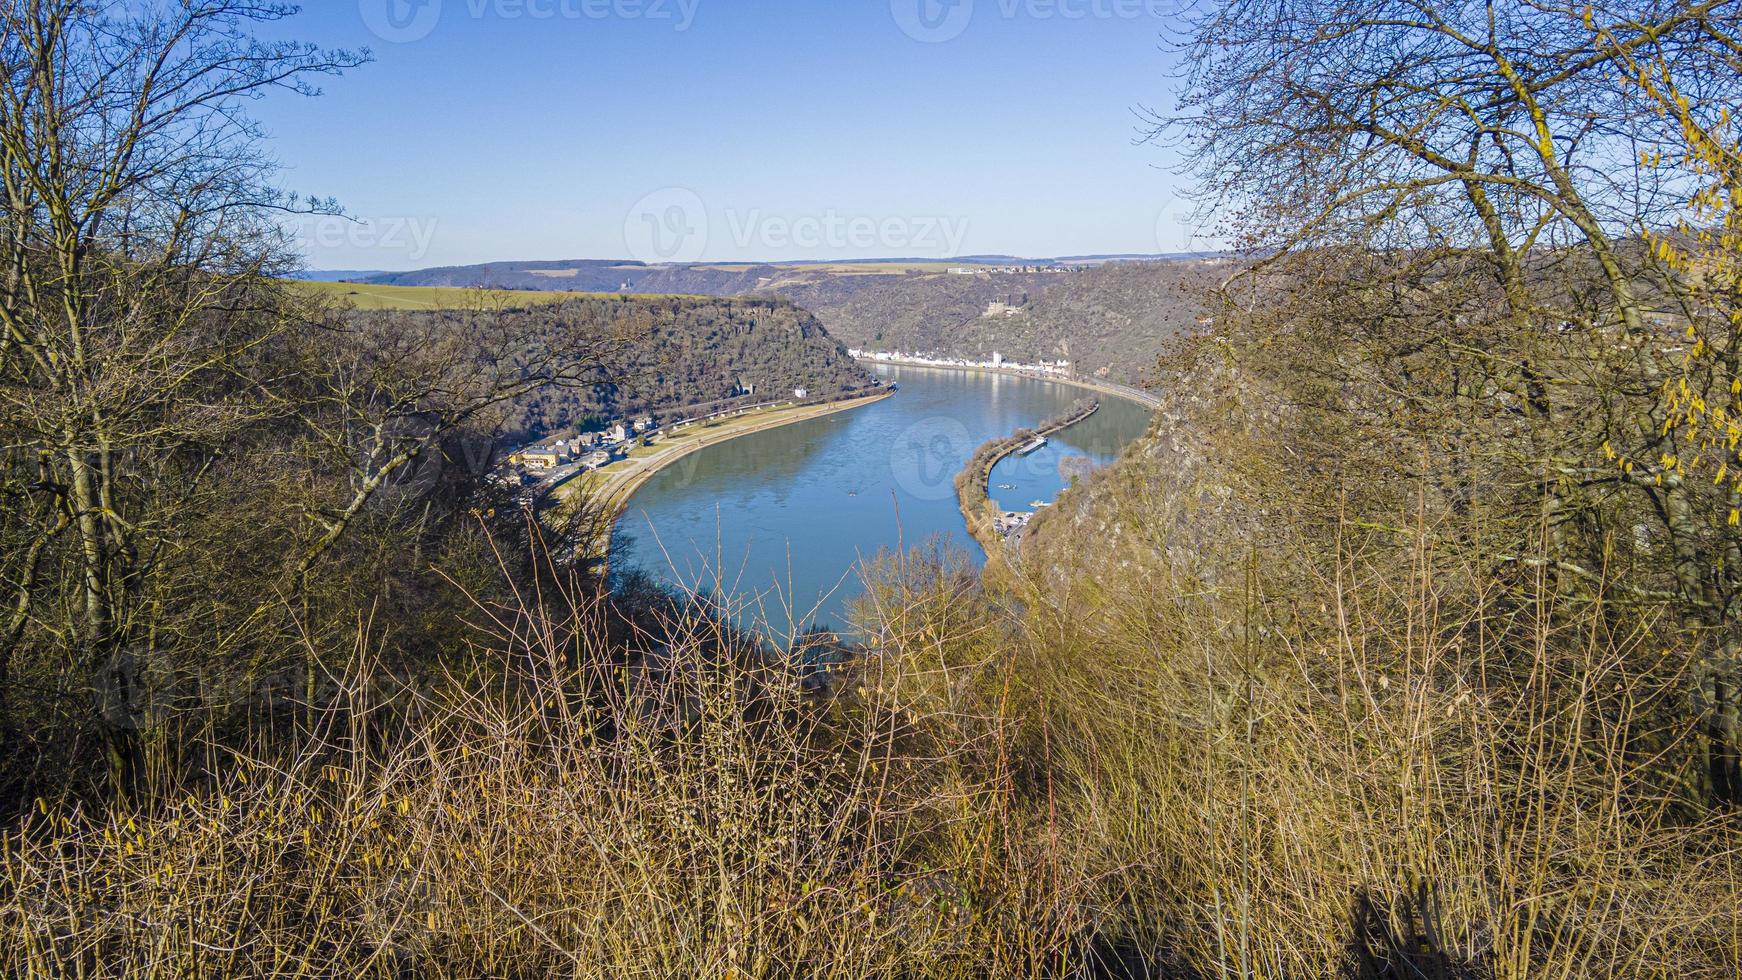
[(1509, 157), (137, 233), (185, 441)]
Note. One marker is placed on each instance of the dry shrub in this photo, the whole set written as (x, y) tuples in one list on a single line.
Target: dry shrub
[(690, 811), (1365, 758), (1262, 756)]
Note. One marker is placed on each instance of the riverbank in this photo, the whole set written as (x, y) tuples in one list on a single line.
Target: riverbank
[(613, 486), (973, 490), (785, 521), (1098, 385)]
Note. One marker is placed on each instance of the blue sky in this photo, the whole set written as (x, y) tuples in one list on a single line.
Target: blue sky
[(731, 130)]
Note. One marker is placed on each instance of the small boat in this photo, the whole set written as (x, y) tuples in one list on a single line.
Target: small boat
[(1038, 444), (1038, 504)]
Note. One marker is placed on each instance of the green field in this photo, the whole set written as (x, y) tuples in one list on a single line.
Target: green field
[(365, 296)]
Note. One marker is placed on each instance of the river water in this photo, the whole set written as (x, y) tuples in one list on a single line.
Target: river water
[(777, 521)]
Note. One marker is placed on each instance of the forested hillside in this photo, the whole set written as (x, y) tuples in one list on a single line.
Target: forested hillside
[(577, 275), (930, 311), (673, 353), (1113, 316), (1116, 317), (1407, 647)]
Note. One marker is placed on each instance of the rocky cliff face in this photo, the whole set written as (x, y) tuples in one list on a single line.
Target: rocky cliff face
[(1171, 499)]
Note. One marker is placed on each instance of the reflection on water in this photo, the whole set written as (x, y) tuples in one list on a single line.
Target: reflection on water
[(1019, 481), (779, 520)]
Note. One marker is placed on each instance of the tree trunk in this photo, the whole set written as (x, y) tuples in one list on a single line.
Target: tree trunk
[(1720, 687), (112, 677)]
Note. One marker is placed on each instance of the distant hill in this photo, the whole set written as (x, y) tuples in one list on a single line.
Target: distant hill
[(680, 352), (333, 275), (701, 278), (608, 276), (578, 275), (1105, 313), (1115, 317)]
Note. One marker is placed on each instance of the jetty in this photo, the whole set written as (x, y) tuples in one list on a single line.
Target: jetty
[(990, 525)]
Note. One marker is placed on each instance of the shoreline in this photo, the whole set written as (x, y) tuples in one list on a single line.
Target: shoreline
[(977, 477), (1110, 388), (615, 493)]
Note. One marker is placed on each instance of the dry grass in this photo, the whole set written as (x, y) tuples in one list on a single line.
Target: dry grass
[(1370, 759), (1379, 765), (686, 813)]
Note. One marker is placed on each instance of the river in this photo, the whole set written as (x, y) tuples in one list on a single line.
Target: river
[(779, 520)]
